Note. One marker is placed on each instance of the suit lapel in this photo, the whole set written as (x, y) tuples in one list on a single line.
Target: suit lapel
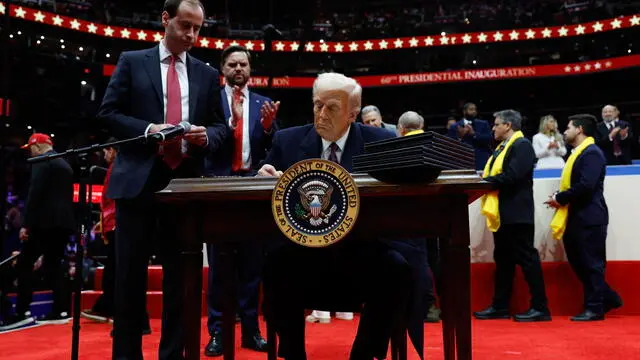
[(254, 111), (225, 104), (193, 72), (152, 65), (352, 147), (311, 146)]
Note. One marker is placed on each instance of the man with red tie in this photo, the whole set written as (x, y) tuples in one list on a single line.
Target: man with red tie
[(251, 120), (152, 90)]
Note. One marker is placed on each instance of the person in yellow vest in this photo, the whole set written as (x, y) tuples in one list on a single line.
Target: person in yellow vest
[(410, 123), (509, 213), (582, 217)]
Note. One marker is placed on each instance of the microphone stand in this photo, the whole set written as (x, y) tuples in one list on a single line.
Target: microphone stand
[(81, 153)]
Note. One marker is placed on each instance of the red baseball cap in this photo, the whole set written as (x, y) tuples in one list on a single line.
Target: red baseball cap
[(38, 138)]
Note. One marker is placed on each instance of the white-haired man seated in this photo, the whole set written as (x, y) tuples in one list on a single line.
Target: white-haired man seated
[(410, 123), (346, 275)]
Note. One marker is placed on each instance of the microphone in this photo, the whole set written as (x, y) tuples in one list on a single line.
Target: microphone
[(169, 133)]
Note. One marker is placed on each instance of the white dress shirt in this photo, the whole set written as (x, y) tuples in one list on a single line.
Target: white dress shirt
[(246, 137), (548, 158), (326, 151)]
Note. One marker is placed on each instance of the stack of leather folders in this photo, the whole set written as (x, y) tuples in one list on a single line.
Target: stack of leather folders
[(414, 158)]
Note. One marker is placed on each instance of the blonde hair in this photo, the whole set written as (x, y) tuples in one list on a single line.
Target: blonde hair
[(543, 127), (338, 82)]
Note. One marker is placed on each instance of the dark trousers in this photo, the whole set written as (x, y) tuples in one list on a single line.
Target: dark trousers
[(514, 246), (341, 278), (105, 303), (249, 260), (51, 243), (586, 251), (433, 259), (142, 223)]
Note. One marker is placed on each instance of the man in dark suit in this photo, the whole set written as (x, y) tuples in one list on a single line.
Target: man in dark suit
[(473, 132), (151, 90), (48, 223), (251, 121), (614, 137), (513, 239), (586, 227), (376, 274)]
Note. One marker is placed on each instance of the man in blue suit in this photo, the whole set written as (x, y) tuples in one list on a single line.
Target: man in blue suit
[(376, 274), (473, 132), (586, 228), (151, 90), (251, 120)]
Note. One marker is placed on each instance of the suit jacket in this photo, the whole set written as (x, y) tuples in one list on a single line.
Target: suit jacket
[(480, 142), (219, 163), (602, 139), (515, 184), (585, 197), (50, 200), (303, 142), (391, 127), (134, 99)]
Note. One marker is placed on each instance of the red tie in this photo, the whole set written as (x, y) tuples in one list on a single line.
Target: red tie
[(237, 134), (173, 150)]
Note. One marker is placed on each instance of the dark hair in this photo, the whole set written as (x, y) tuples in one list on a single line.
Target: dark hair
[(233, 49), (110, 140), (467, 105), (586, 121), (171, 6), (510, 116)]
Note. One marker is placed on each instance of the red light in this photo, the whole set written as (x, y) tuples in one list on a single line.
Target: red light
[(86, 71), (96, 193)]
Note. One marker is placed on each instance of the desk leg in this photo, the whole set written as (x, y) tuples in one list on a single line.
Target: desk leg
[(227, 262), (461, 259), (447, 298), (191, 260)]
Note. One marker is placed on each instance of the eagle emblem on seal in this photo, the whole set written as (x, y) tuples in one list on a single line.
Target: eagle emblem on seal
[(315, 199)]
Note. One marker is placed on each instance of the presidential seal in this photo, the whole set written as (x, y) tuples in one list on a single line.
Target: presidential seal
[(315, 203)]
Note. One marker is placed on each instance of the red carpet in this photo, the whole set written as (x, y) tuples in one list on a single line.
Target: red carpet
[(615, 338)]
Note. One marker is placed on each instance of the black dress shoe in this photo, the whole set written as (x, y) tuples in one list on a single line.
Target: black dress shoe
[(533, 315), (255, 342), (608, 306), (588, 315), (491, 313), (214, 347)]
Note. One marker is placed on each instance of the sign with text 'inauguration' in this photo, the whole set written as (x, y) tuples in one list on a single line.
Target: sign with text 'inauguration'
[(522, 72)]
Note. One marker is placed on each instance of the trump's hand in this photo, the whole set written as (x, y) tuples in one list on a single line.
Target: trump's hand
[(269, 170), (268, 113), (158, 127), (197, 136)]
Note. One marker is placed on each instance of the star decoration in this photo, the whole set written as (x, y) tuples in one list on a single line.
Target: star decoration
[(75, 25), (124, 33), (398, 43), (249, 45), (324, 47), (597, 26), (2, 8), (39, 16), (615, 24), (514, 35), (587, 67), (142, 35), (580, 29), (338, 47), (497, 36), (567, 69), (204, 42), (279, 46), (482, 37), (92, 28), (530, 34), (353, 46), (368, 45), (234, 43), (634, 21), (108, 31), (383, 44), (57, 20), (20, 12), (294, 46), (413, 42), (608, 64), (597, 65), (309, 47), (157, 37), (219, 44), (576, 68), (563, 31), (546, 33), (262, 46), (444, 40), (428, 41), (466, 39), (453, 40)]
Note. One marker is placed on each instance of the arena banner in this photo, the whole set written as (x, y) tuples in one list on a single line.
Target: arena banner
[(505, 73), (412, 42)]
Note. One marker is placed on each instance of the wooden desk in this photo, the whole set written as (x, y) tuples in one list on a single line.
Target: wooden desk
[(216, 210)]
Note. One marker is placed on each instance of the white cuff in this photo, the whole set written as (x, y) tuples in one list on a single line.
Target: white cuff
[(146, 131)]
